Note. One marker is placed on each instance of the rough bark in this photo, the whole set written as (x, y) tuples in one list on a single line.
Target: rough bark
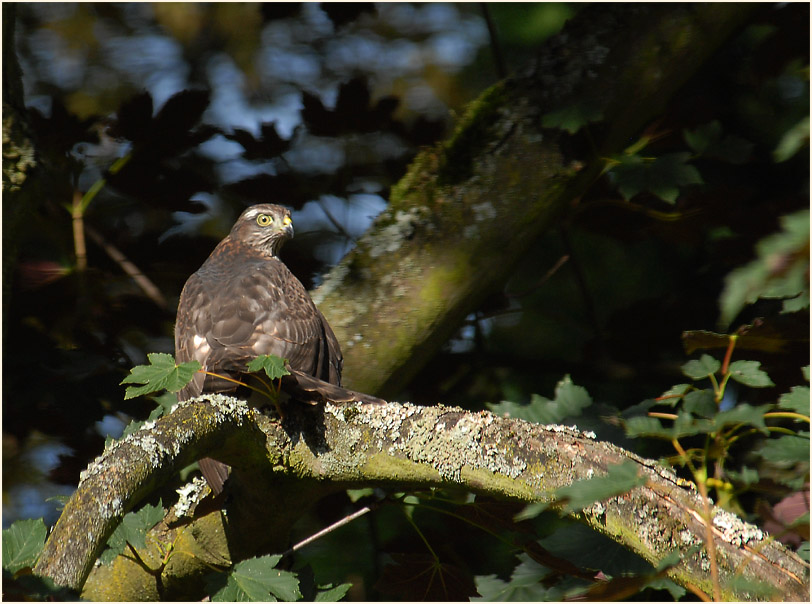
[(469, 208), (282, 469)]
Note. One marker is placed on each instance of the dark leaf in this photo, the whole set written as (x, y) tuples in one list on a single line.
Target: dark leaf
[(663, 176), (570, 400), (272, 11), (133, 117), (701, 368), (341, 13), (419, 577)]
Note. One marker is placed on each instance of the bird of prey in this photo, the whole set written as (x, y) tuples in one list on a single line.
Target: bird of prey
[(244, 302)]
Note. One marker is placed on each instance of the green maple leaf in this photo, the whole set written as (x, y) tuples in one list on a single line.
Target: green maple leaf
[(256, 580), (22, 544), (162, 373), (273, 365)]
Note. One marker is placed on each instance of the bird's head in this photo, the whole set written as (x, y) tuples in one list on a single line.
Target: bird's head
[(264, 226)]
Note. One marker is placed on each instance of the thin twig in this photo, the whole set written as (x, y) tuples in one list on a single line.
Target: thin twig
[(79, 244), (580, 281), (333, 220), (498, 59), (331, 528), (149, 288), (559, 263)]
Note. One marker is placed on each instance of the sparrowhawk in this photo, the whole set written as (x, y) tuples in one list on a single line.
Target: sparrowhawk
[(244, 302)]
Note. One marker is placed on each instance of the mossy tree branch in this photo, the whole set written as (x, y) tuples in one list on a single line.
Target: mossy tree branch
[(470, 208), (283, 469)]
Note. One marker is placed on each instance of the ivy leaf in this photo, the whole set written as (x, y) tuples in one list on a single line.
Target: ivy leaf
[(572, 117), (662, 176), (273, 365), (160, 374), (705, 366), (22, 543), (797, 399), (620, 478), (255, 580), (570, 400), (133, 530), (749, 374)]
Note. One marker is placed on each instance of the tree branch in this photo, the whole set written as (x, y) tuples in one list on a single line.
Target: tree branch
[(469, 208), (281, 469)]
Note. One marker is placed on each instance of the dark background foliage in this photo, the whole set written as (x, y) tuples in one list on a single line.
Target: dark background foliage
[(321, 107)]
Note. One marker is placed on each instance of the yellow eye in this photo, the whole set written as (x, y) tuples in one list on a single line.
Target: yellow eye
[(264, 220)]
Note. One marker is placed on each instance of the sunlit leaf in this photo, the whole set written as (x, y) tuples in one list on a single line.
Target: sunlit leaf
[(161, 373), (750, 374), (22, 543), (273, 366), (256, 580)]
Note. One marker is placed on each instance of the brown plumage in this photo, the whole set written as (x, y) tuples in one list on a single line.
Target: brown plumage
[(244, 302)]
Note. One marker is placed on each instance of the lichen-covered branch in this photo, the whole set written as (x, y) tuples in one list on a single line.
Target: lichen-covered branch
[(469, 208), (283, 468)]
